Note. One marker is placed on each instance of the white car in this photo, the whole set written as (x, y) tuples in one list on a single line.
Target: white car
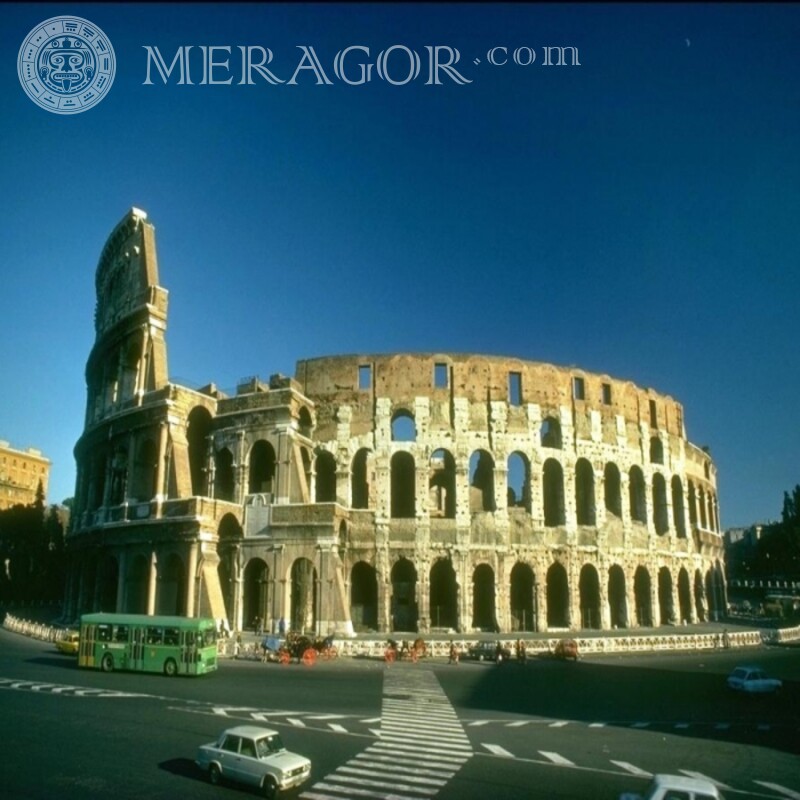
[(676, 787), (254, 756), (753, 680)]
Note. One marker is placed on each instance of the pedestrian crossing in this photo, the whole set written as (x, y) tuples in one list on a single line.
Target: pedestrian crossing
[(421, 745)]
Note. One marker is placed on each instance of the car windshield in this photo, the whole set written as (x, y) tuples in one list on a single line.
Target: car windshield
[(267, 745)]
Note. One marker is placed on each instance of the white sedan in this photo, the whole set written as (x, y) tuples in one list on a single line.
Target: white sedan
[(753, 680), (254, 756), (676, 787)]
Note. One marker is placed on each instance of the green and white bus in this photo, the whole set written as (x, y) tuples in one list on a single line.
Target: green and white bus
[(141, 643)]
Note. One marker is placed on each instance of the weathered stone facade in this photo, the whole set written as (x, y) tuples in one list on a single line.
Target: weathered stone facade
[(21, 472), (390, 492)]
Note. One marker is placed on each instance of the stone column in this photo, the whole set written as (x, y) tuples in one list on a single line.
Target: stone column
[(121, 576), (655, 605), (162, 462), (191, 570), (540, 605), (152, 581)]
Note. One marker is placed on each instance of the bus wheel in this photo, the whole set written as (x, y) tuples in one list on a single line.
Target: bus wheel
[(107, 662), (270, 787), (170, 667)]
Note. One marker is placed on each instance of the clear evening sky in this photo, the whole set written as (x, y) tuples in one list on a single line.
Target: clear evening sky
[(636, 215)]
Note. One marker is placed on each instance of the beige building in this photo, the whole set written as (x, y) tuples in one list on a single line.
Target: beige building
[(388, 492), (21, 471)]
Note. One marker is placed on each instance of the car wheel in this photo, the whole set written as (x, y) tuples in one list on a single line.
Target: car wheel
[(170, 668), (107, 662), (214, 775), (270, 787)]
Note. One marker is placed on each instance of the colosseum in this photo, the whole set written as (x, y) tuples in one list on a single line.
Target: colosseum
[(402, 492)]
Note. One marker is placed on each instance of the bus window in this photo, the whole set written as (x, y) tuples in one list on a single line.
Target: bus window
[(120, 633), (170, 636), (155, 635), (103, 633), (190, 638)]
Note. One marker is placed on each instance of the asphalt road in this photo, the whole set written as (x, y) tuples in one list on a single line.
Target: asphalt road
[(543, 730)]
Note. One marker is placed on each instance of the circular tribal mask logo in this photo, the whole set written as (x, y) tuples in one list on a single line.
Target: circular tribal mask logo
[(66, 65)]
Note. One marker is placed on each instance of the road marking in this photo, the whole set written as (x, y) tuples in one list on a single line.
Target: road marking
[(640, 725), (632, 769), (780, 789), (519, 723), (597, 725), (478, 723), (382, 771), (298, 723), (557, 759), (703, 777), (393, 785), (496, 750), (559, 724), (337, 728)]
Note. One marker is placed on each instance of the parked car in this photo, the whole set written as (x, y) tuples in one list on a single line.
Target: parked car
[(679, 787), (566, 648), (254, 756), (753, 680), (68, 643), (488, 651)]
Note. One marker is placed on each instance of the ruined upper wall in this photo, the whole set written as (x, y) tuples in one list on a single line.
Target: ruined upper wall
[(336, 380)]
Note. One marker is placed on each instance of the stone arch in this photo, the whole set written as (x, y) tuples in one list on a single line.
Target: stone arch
[(665, 596), (692, 505), (108, 580), (699, 596), (230, 536), (443, 594), (481, 481), (484, 612), (359, 481), (638, 501), (403, 426), (617, 597), (584, 493), (119, 475), (523, 596), (642, 597), (364, 596), (256, 593), (519, 481), (303, 598), (678, 513), (403, 498), (557, 596), (660, 508), (325, 468), (404, 596), (656, 450), (589, 591), (701, 502), (143, 483), (261, 471), (612, 489), (550, 433), (684, 596), (442, 484), (305, 424), (171, 595), (223, 476), (553, 493), (136, 583), (198, 428)]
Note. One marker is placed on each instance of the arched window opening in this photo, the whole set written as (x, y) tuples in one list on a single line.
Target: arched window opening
[(136, 583), (553, 491), (684, 596), (262, 468), (171, 594), (364, 597), (612, 489), (665, 596), (304, 423), (584, 493), (523, 598), (119, 476), (656, 451), (481, 482), (638, 500), (641, 593), (197, 431), (550, 433), (701, 501), (589, 590), (444, 595), (256, 595), (692, 505), (223, 476), (403, 426), (404, 612), (484, 614), (519, 481), (617, 599), (660, 509), (230, 536), (678, 511), (108, 579), (442, 484), (403, 499), (326, 477), (143, 485), (557, 597), (359, 480)]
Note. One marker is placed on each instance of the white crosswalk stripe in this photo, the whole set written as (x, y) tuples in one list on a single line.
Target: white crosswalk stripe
[(701, 776), (632, 769), (422, 745), (790, 793)]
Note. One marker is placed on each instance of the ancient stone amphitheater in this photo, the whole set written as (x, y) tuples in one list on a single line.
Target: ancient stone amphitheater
[(403, 492)]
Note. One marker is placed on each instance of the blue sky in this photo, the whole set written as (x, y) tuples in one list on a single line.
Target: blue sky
[(636, 215)]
